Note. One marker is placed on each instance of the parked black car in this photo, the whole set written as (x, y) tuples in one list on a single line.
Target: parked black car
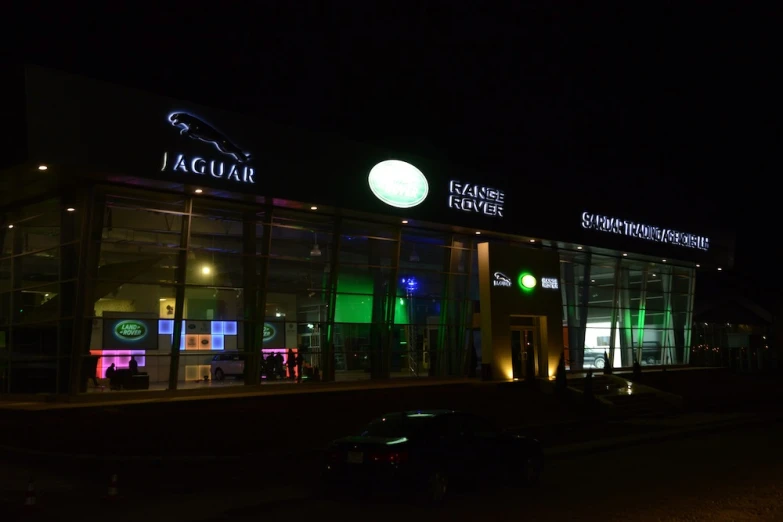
[(429, 453)]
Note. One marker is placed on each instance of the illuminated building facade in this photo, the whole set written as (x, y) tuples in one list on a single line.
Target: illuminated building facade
[(136, 225)]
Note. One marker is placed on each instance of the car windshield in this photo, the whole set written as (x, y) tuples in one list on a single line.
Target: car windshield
[(409, 426)]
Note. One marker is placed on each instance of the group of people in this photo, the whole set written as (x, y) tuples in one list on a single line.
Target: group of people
[(274, 366), (133, 366), (111, 372)]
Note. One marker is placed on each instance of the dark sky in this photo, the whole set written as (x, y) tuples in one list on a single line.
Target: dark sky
[(690, 95)]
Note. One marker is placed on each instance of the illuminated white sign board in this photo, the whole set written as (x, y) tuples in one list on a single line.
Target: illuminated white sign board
[(200, 166), (469, 197), (235, 166), (550, 282), (623, 227), (398, 184)]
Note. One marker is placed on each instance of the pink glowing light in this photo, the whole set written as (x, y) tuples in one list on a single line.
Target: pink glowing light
[(266, 352), (120, 358)]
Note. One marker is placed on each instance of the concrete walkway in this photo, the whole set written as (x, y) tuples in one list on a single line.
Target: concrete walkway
[(50, 402)]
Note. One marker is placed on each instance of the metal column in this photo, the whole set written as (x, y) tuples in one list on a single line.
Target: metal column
[(466, 326), (640, 317), (328, 354), (262, 283), (626, 324), (668, 337), (391, 298), (94, 208), (615, 304), (179, 303), (689, 317), (583, 304), (252, 330)]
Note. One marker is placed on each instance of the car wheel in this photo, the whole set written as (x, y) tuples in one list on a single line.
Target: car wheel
[(219, 375), (436, 488), (599, 363)]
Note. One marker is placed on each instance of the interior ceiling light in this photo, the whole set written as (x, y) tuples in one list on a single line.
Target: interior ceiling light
[(313, 208), (70, 209), (42, 167), (404, 221), (198, 191), (315, 251)]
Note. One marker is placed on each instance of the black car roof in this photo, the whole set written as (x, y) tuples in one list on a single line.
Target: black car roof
[(417, 413)]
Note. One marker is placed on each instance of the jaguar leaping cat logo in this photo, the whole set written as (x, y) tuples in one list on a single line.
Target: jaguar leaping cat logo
[(196, 129), (501, 279)]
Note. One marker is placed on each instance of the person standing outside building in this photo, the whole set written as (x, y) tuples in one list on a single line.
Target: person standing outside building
[(290, 361), (299, 365)]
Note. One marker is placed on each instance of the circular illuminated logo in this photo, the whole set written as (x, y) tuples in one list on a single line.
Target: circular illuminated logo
[(527, 281), (398, 184), (269, 331), (130, 330)]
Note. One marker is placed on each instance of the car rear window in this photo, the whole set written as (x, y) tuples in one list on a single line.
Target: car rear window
[(399, 427)]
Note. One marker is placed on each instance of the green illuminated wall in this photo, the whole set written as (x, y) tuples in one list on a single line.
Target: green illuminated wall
[(355, 300)]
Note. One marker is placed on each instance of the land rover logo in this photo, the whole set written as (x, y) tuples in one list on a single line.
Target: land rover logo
[(398, 184), (269, 331), (130, 330)]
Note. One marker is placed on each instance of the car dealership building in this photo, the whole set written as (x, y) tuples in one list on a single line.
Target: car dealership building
[(134, 225)]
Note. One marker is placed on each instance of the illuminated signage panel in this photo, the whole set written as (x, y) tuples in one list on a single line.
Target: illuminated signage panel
[(626, 228), (477, 199), (398, 184), (235, 166)]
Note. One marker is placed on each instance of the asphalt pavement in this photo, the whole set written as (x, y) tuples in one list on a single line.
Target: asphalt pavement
[(222, 489), (196, 459), (723, 476)]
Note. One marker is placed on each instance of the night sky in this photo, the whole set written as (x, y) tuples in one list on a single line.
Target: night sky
[(689, 96)]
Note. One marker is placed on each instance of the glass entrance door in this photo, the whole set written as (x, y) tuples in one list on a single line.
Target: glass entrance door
[(523, 353)]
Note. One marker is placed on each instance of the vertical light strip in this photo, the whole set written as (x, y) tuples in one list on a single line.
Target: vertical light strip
[(640, 317), (689, 316)]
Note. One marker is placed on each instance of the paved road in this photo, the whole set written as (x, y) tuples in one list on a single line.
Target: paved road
[(729, 476)]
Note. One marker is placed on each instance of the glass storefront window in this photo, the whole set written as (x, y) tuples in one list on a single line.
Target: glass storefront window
[(635, 311), (403, 304)]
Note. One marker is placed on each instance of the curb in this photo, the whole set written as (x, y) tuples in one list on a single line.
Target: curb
[(157, 458), (148, 397), (634, 440)]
